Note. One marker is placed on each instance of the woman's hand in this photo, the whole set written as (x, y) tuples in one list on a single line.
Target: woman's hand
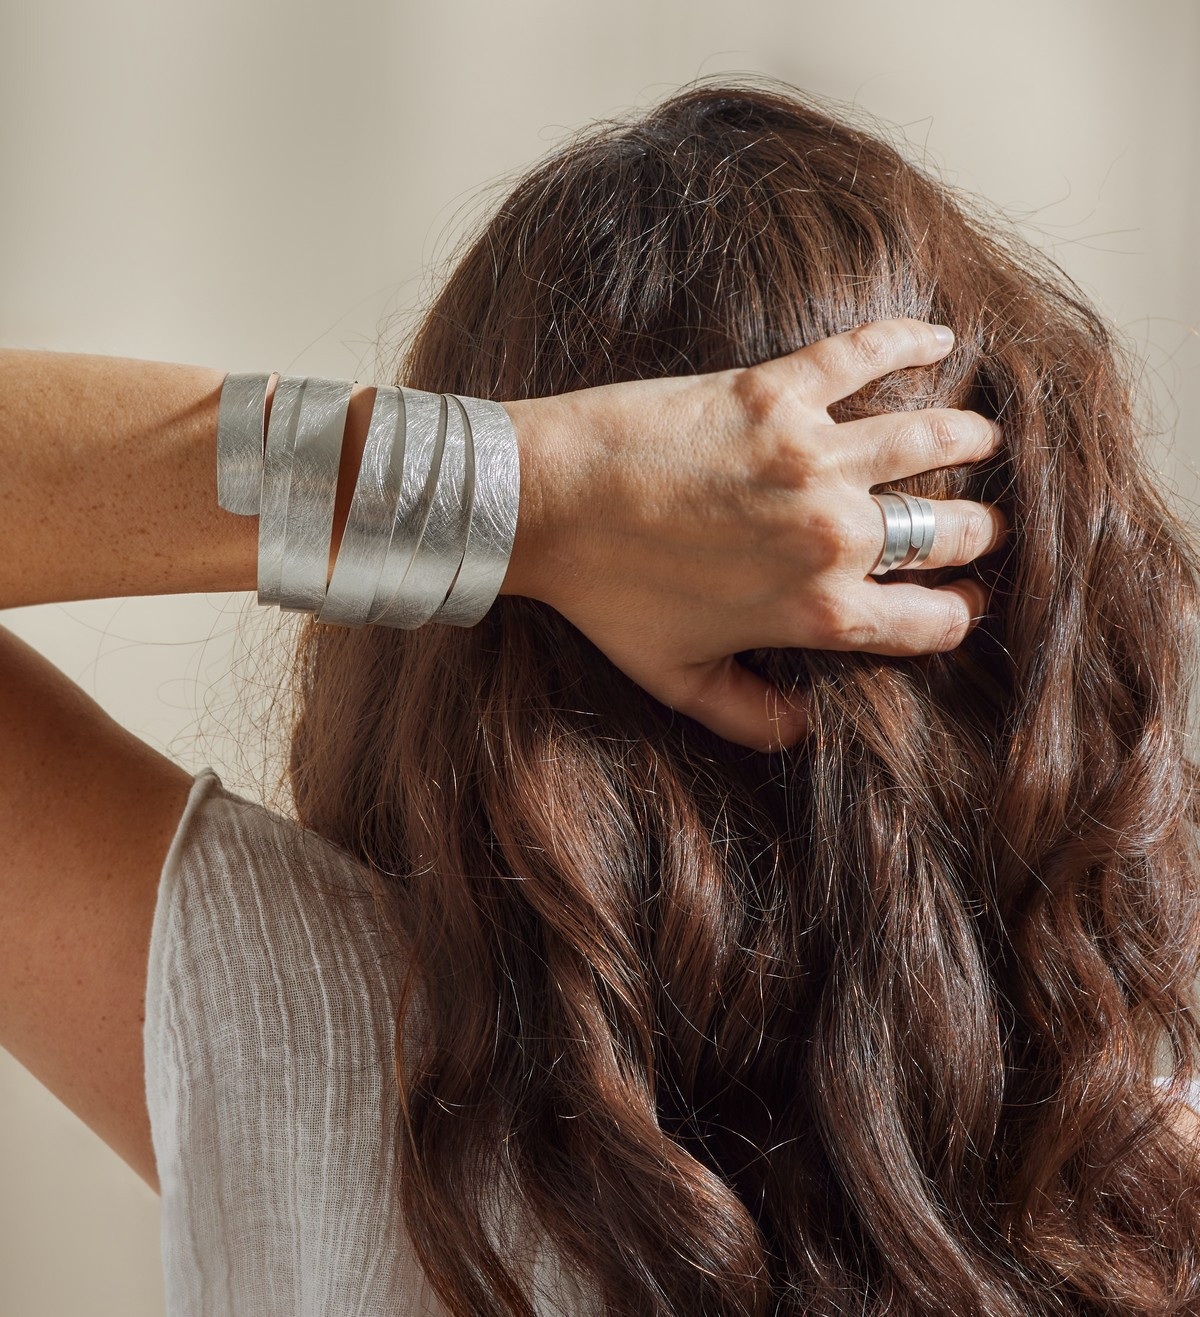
[(679, 521)]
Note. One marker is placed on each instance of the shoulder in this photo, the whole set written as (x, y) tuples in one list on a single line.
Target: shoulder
[(252, 903), (225, 844), (271, 1017), (271, 992)]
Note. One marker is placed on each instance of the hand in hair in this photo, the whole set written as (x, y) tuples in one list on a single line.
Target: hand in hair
[(677, 522)]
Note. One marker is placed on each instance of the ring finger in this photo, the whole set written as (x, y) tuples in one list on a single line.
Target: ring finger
[(963, 530)]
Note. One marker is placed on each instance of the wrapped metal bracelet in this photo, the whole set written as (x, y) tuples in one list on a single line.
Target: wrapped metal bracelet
[(433, 515)]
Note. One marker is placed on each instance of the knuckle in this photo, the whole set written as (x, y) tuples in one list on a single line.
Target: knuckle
[(831, 537), (790, 463), (962, 539), (942, 434), (952, 625), (819, 615), (873, 345), (757, 395), (973, 532), (851, 631), (823, 618), (983, 529), (916, 335), (946, 435)]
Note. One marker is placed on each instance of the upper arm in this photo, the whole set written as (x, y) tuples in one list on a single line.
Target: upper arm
[(87, 813)]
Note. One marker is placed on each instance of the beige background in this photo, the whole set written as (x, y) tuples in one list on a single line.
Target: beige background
[(156, 202)]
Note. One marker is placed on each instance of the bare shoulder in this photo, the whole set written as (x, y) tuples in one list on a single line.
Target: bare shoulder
[(87, 812)]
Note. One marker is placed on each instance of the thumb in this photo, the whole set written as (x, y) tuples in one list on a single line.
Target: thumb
[(732, 701)]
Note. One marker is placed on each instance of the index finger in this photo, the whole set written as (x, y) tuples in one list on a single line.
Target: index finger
[(835, 367)]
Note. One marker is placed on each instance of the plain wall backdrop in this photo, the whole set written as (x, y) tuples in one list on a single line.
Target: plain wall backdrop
[(265, 186)]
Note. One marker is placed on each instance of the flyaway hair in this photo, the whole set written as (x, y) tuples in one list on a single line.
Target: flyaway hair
[(869, 1026)]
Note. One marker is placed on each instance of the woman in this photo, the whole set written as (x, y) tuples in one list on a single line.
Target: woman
[(867, 1024)]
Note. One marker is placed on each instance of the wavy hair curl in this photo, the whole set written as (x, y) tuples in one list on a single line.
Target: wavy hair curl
[(868, 1027)]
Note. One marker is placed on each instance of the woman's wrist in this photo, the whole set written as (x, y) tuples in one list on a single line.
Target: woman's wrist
[(549, 442), (542, 425), (110, 484)]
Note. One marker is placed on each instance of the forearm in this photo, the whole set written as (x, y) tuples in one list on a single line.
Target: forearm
[(108, 480)]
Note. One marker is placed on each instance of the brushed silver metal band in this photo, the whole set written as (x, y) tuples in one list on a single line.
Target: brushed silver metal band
[(419, 591), (923, 524), (908, 530), (312, 486), (277, 461), (432, 518), (240, 416), (373, 512), (496, 485)]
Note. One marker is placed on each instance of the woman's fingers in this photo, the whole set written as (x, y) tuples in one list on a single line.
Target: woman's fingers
[(894, 445), (680, 521), (733, 702), (740, 706), (833, 368), (845, 540), (904, 619), (963, 531)]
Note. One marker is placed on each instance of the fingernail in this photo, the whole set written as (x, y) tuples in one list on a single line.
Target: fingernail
[(944, 335)]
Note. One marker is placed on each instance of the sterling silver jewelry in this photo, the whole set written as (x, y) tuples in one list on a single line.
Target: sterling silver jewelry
[(432, 518), (420, 588), (276, 463), (908, 529), (495, 486), (373, 513), (240, 442), (316, 451), (421, 424)]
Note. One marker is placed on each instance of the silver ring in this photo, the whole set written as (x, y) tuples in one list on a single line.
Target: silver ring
[(923, 525), (908, 531)]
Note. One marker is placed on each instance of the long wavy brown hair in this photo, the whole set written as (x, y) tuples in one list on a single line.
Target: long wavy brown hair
[(868, 1026)]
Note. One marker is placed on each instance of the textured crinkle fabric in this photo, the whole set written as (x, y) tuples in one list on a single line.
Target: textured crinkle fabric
[(270, 1081), (270, 1078), (270, 1013)]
